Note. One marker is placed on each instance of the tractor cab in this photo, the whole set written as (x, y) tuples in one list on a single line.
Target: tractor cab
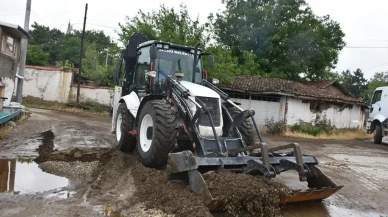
[(144, 71)]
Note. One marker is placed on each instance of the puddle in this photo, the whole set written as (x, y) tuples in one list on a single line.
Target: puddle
[(320, 209), (22, 176)]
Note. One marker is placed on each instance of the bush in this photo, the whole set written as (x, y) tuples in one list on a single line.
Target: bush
[(320, 126), (275, 127)]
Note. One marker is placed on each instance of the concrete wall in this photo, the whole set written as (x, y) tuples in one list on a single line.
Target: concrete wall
[(339, 115), (263, 110), (51, 84), (10, 89), (101, 95), (55, 84)]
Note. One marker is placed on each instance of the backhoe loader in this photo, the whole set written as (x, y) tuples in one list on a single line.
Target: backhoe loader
[(165, 107)]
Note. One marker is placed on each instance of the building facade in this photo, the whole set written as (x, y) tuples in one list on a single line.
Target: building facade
[(297, 102)]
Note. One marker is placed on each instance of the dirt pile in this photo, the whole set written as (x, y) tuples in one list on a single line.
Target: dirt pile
[(114, 178), (121, 172), (246, 195)]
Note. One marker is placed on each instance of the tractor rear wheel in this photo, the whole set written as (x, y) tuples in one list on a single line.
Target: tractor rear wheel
[(156, 133), (378, 134), (246, 128), (124, 123)]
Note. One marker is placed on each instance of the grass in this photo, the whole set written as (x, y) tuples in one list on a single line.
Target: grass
[(5, 129), (88, 107), (344, 135)]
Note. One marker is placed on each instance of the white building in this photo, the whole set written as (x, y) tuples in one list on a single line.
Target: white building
[(308, 102)]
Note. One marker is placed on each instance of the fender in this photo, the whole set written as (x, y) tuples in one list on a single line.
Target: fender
[(132, 102), (143, 101), (377, 119)]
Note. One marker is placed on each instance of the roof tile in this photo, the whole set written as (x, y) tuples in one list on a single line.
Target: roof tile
[(275, 85)]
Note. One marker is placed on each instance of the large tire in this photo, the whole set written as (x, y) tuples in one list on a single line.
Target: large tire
[(246, 129), (124, 123), (156, 133), (378, 134)]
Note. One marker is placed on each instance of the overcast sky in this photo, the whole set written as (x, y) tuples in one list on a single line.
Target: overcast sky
[(363, 22)]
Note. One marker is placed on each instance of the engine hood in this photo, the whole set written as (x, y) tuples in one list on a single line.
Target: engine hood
[(199, 90)]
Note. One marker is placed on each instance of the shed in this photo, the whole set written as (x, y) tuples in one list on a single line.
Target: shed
[(297, 102), (10, 38)]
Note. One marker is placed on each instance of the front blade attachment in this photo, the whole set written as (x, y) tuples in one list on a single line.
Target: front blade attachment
[(320, 187), (189, 167)]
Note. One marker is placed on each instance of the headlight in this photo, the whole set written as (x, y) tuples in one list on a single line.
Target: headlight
[(215, 81)]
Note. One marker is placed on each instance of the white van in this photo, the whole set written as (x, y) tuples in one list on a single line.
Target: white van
[(378, 113)]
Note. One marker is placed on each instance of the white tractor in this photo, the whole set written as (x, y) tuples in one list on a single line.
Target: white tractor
[(165, 106)]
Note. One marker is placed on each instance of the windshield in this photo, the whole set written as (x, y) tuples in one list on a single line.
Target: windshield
[(171, 61)]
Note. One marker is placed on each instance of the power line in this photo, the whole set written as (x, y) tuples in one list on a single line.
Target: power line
[(93, 24), (376, 66), (101, 22), (37, 16)]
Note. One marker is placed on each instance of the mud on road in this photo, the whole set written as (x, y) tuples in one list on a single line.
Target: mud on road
[(63, 164)]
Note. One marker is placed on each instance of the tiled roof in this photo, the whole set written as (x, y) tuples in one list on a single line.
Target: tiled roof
[(256, 85), (325, 84), (319, 84)]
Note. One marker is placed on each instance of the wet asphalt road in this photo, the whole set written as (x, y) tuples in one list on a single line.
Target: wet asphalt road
[(361, 166)]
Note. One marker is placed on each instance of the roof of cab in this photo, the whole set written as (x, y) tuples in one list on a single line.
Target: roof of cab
[(184, 47)]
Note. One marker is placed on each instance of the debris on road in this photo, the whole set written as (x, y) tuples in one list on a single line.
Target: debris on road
[(246, 194)]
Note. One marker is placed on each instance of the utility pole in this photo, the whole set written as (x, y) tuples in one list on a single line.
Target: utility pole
[(23, 54), (106, 61), (80, 56)]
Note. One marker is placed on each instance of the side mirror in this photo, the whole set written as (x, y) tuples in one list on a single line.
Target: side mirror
[(211, 60), (153, 52)]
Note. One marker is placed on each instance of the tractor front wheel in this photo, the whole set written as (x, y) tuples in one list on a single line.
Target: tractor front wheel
[(124, 123), (246, 128), (378, 134), (156, 133)]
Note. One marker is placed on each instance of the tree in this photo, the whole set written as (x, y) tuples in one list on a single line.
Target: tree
[(355, 82), (166, 24), (102, 75), (36, 56), (227, 66), (379, 79), (289, 41)]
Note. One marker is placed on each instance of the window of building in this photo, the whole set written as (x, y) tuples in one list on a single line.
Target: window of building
[(9, 45)]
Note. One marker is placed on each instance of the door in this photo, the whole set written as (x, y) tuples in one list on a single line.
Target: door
[(376, 103)]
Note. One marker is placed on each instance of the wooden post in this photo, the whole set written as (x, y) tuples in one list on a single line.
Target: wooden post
[(81, 54)]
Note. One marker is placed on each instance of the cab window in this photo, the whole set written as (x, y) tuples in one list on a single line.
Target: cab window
[(142, 67), (377, 96)]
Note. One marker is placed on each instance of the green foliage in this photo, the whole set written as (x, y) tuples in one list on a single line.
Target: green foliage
[(102, 75), (320, 126), (289, 41), (275, 127), (166, 24), (63, 50), (379, 79), (64, 64), (227, 66), (354, 82), (69, 50), (36, 56)]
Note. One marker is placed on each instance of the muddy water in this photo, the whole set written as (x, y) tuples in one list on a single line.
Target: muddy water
[(22, 175)]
